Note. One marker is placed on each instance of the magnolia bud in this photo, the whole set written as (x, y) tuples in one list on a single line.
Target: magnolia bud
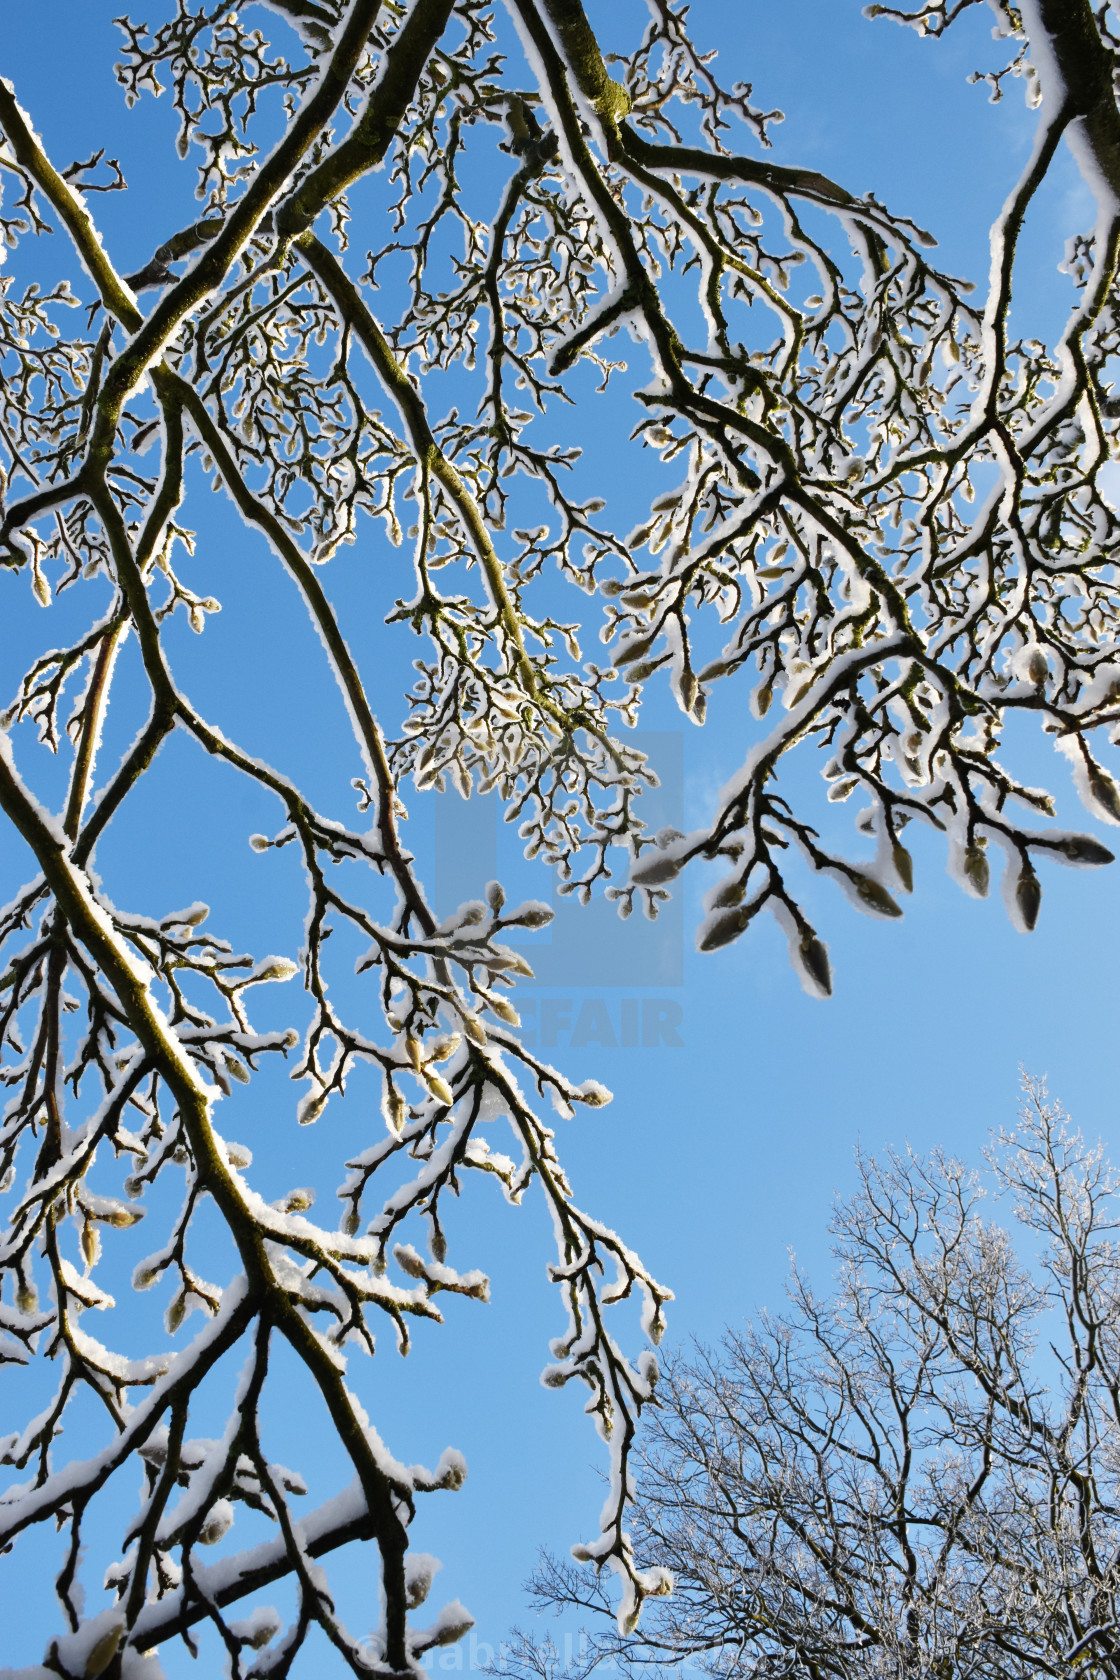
[(439, 1088), (395, 1111), (726, 928), (122, 1218), (1105, 792), (310, 1108), (903, 866), (876, 896), (633, 650), (655, 872), (1079, 848), (236, 1068), (217, 1524), (814, 959), (977, 869), (1028, 896), (103, 1652), (536, 918)]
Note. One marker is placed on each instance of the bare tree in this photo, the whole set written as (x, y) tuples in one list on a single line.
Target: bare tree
[(814, 522), (917, 1476)]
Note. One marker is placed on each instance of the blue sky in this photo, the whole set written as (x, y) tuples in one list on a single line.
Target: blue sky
[(719, 1154)]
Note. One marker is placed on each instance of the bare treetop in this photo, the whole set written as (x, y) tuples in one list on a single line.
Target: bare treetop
[(914, 1476), (419, 231)]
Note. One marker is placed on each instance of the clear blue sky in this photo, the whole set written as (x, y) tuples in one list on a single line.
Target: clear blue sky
[(721, 1154)]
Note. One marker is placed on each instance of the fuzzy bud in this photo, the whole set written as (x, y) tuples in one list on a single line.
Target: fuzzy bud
[(311, 1108), (396, 1110), (217, 1524), (814, 960), (439, 1088), (977, 869), (903, 866), (1028, 897), (273, 968), (655, 872), (876, 897), (102, 1654), (1080, 848)]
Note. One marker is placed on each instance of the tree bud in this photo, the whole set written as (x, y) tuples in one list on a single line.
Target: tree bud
[(977, 869), (814, 959), (903, 866), (1080, 848), (439, 1088), (1028, 896), (311, 1108), (1105, 792), (273, 968), (102, 1654), (728, 926), (655, 871), (634, 650), (876, 897), (217, 1524)]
